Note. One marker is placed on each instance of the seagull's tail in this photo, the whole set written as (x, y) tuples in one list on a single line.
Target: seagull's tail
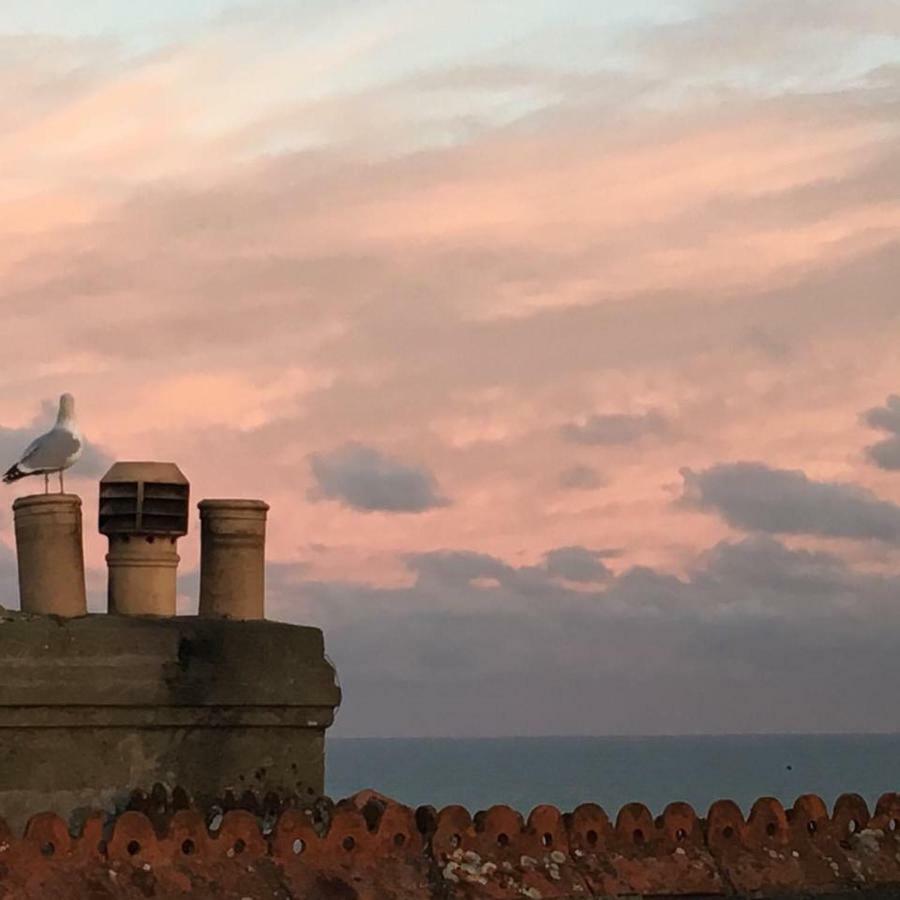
[(13, 473)]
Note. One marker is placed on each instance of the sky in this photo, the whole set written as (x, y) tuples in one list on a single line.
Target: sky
[(561, 337)]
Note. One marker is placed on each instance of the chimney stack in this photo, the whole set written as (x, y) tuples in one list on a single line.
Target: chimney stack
[(212, 702)]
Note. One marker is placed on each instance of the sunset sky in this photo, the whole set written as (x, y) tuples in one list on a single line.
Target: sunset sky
[(562, 336)]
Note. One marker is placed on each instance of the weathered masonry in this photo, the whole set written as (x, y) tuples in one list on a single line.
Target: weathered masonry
[(95, 706)]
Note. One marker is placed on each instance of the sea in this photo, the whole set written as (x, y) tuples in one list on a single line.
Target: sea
[(612, 771)]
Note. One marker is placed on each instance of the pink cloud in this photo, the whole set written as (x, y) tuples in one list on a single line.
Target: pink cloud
[(456, 304)]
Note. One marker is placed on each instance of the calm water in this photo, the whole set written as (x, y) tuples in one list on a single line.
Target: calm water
[(524, 772)]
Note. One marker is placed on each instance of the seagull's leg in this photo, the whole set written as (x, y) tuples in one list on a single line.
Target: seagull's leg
[(46, 482), (62, 487)]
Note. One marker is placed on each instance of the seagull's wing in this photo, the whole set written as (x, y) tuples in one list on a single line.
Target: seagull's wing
[(51, 451), (31, 448)]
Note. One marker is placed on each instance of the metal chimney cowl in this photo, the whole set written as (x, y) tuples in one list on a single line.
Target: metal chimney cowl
[(143, 511)]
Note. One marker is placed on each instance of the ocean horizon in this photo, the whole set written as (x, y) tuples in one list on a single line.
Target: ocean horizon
[(656, 770)]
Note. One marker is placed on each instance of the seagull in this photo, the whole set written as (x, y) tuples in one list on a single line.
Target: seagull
[(54, 451)]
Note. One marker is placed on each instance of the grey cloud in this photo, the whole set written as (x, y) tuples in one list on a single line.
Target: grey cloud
[(743, 642), (457, 566), (615, 428), (94, 461), (887, 417), (886, 454), (576, 564), (365, 479), (581, 478), (463, 567), (774, 575), (753, 496), (440, 570)]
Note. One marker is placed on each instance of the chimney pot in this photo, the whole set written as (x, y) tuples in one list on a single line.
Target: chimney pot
[(50, 554), (232, 558)]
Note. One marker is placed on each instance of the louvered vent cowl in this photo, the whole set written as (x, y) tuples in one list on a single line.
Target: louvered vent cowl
[(143, 512), (144, 498)]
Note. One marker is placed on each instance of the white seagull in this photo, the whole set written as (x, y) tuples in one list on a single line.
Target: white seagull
[(54, 451)]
